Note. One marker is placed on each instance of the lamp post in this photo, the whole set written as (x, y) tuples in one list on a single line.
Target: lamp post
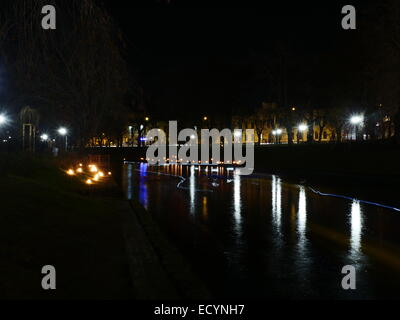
[(302, 128), (64, 133), (3, 119), (277, 134), (238, 136), (206, 122), (357, 121)]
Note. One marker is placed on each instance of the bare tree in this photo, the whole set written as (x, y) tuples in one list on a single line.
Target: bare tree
[(76, 74)]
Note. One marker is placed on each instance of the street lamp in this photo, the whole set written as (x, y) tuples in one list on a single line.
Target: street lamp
[(64, 132), (3, 119), (44, 137), (356, 121), (238, 134), (303, 127), (277, 133)]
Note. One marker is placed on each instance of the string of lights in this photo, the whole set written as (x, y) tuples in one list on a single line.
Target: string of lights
[(354, 199)]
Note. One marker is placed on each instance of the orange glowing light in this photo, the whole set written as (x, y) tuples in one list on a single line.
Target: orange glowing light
[(89, 181), (70, 172)]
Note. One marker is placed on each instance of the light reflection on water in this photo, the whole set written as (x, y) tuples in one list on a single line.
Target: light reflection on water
[(237, 204), (356, 230), (276, 202), (302, 218), (264, 228), (143, 196), (129, 182), (192, 183)]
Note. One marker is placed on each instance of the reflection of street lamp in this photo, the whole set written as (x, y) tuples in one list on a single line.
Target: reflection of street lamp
[(64, 132), (357, 121)]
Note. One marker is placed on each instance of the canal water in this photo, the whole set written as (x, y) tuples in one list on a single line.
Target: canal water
[(261, 237)]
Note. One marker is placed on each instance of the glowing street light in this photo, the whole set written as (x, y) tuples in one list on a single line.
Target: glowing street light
[(303, 127), (3, 119), (238, 133), (44, 137), (357, 120), (64, 132), (276, 133), (205, 118)]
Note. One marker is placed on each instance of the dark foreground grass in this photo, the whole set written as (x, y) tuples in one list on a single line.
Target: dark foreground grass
[(48, 218)]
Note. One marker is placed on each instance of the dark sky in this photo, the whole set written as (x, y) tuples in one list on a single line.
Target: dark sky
[(196, 58), (199, 57)]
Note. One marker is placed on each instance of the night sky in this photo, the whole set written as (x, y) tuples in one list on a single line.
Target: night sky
[(208, 58), (195, 58)]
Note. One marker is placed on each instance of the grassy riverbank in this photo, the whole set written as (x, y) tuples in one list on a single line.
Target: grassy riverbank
[(48, 219), (102, 246)]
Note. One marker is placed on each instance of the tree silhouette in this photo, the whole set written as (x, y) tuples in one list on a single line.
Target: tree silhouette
[(76, 74)]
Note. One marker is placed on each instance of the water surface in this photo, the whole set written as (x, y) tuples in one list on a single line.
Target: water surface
[(260, 237)]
